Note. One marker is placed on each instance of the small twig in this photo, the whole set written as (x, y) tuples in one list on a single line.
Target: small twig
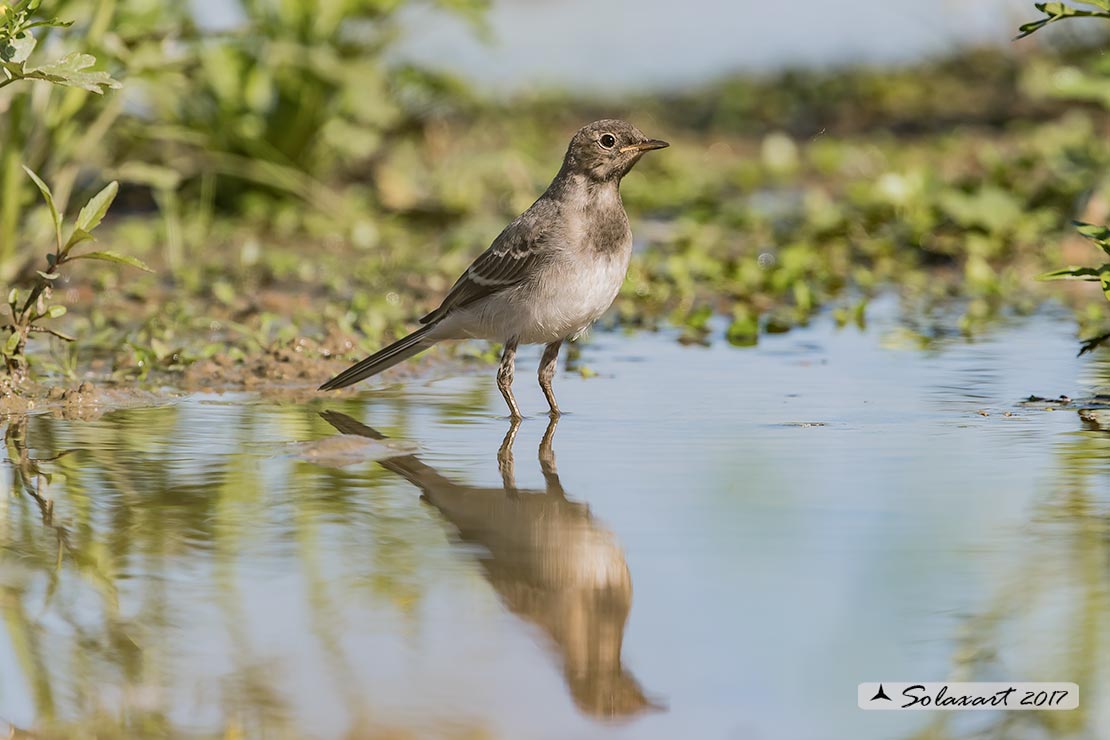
[(56, 333)]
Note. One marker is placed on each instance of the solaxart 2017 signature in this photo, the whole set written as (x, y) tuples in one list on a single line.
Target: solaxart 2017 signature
[(968, 695), (1002, 699)]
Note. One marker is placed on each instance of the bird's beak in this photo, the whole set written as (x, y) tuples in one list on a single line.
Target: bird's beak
[(645, 146)]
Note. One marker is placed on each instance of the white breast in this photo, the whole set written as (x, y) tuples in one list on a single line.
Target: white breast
[(565, 298)]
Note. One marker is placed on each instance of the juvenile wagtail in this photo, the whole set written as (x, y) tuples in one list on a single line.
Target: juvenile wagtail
[(549, 275)]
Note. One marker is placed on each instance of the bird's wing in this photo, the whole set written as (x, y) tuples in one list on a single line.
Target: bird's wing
[(513, 257)]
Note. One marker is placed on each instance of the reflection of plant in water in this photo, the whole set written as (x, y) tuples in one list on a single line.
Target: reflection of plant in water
[(27, 473), (93, 604), (1051, 620)]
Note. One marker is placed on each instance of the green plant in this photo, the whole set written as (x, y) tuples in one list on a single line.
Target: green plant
[(288, 106), (1090, 85), (27, 312), (1100, 235), (29, 124), (1059, 11), (17, 41)]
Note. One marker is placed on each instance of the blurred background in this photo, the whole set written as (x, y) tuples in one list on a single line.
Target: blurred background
[(821, 152), (625, 46)]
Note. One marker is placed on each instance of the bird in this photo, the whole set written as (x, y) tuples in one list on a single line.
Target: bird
[(550, 273)]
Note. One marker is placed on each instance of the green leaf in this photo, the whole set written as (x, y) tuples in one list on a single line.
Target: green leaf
[(13, 297), (113, 257), (78, 236), (1026, 29), (70, 71), (1100, 235), (52, 23), (11, 344), (93, 212), (55, 312), (1092, 231), (17, 50), (1085, 273), (1054, 8), (48, 275), (49, 198)]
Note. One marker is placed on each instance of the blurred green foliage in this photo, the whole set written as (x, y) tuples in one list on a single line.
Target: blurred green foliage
[(293, 102)]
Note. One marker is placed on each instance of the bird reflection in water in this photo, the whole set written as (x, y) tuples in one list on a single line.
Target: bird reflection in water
[(551, 562)]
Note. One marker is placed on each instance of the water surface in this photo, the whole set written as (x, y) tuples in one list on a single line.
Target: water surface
[(715, 543)]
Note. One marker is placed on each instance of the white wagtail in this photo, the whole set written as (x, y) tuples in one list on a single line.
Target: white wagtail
[(549, 275)]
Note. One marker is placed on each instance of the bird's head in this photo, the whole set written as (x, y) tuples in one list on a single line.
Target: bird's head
[(607, 149)]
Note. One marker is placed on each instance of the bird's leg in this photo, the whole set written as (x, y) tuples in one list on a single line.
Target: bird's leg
[(505, 377), (505, 457), (547, 459), (547, 373)]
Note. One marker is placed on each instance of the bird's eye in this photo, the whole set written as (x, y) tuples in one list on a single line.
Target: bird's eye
[(607, 140)]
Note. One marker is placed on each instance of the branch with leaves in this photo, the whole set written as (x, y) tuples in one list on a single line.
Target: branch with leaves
[(1059, 11), (17, 41), (27, 312), (1100, 235)]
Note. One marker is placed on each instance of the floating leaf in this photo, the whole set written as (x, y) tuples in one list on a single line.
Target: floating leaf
[(113, 257)]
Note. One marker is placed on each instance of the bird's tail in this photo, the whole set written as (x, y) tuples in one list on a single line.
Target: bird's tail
[(383, 359)]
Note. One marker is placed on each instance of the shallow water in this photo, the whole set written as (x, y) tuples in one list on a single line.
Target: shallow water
[(715, 543)]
